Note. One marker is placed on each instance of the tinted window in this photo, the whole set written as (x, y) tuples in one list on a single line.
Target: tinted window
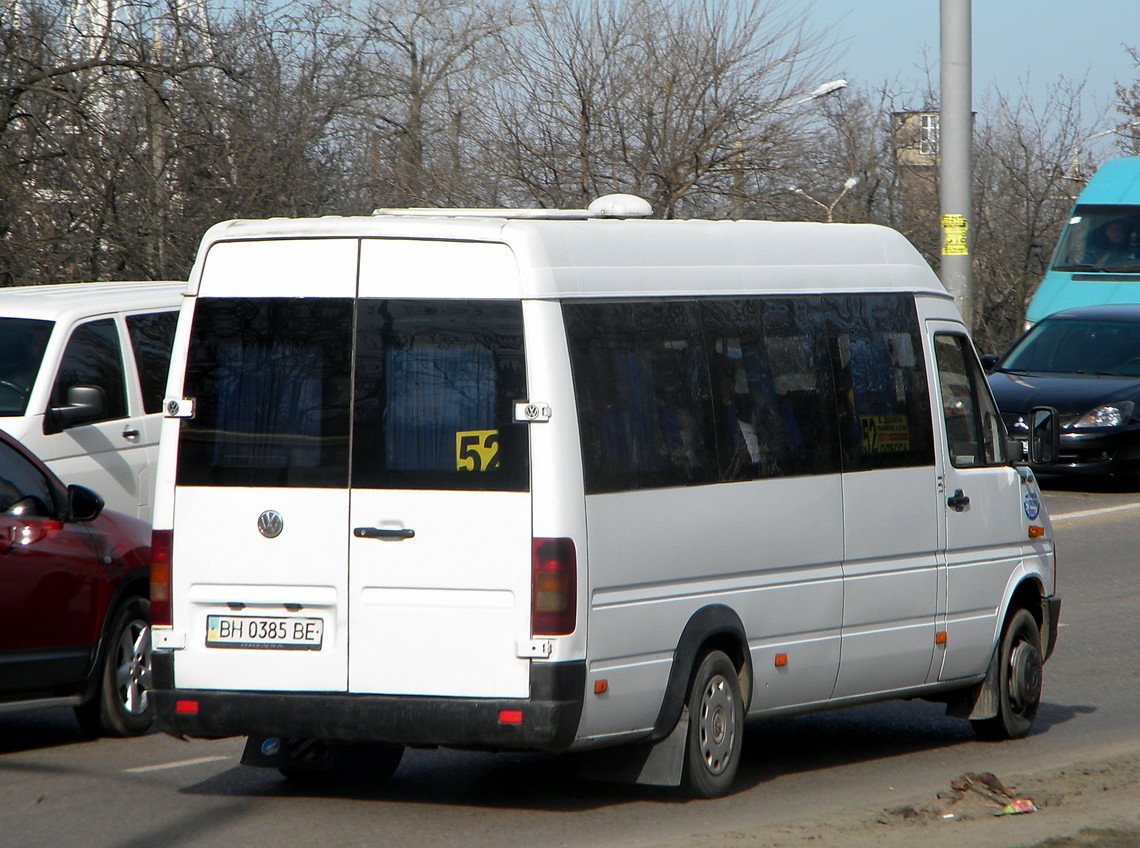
[(884, 400), (436, 386), (152, 337), (271, 380), (793, 385), (644, 401), (93, 358), (772, 387), (22, 343), (1077, 346), (975, 433), (22, 481)]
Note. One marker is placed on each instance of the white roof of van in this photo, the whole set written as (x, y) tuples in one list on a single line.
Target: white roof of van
[(560, 257), (58, 301)]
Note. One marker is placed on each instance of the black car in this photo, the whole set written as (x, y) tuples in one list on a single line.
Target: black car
[(1084, 362)]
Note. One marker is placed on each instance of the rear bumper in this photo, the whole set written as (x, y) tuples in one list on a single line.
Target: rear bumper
[(549, 717)]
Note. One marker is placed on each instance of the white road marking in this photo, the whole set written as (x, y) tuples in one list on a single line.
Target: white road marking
[(179, 764), (1089, 513)]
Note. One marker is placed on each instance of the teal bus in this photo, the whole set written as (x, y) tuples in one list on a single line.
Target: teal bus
[(1097, 259)]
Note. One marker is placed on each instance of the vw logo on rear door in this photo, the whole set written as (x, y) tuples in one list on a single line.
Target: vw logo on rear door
[(270, 524)]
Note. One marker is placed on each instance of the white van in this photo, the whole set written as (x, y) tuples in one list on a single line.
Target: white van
[(82, 375), (566, 481)]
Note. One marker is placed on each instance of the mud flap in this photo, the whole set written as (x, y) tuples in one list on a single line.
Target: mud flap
[(646, 763), (981, 700)]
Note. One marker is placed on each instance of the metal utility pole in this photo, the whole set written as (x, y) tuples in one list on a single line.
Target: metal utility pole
[(954, 145)]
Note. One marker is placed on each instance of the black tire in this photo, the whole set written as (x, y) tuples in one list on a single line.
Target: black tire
[(1020, 661), (716, 727), (361, 762), (122, 705)]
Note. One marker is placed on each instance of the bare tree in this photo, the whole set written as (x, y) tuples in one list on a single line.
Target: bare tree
[(120, 144), (1128, 105), (1023, 193), (680, 103), (423, 57)]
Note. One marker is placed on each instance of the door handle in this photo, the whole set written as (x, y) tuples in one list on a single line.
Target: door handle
[(958, 501), (130, 435), (383, 533)]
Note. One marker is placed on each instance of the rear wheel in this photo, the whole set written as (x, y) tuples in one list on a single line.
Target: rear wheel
[(122, 705), (1019, 669), (716, 727)]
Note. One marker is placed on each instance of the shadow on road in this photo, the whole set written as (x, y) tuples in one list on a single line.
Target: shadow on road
[(551, 783), (39, 729)]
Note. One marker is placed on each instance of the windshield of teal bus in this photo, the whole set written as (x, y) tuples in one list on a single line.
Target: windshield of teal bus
[(1100, 238), (22, 344)]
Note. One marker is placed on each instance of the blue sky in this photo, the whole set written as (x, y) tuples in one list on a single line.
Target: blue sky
[(1015, 42)]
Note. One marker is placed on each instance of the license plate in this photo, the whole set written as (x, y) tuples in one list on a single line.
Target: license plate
[(249, 631)]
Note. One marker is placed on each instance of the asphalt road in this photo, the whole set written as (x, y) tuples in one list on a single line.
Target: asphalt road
[(58, 788)]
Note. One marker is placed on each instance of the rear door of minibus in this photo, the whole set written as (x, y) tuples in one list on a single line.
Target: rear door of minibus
[(353, 509)]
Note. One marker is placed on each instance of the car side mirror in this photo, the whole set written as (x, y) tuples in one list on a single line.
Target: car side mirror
[(1044, 435), (84, 404), (989, 362), (82, 503)]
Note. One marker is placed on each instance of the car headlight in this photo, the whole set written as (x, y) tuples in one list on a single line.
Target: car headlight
[(1108, 415)]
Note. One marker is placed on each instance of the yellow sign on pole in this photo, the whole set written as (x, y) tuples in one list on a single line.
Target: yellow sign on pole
[(954, 236)]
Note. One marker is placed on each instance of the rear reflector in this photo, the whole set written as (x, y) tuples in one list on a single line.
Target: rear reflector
[(554, 587), (186, 707), (161, 545), (510, 716)]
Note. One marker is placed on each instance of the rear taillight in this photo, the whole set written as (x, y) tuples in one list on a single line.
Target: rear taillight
[(554, 581), (161, 545)]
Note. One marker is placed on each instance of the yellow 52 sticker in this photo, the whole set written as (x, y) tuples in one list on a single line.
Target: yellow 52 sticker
[(885, 433), (477, 450)]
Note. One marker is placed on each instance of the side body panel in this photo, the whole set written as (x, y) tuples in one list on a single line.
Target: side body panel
[(890, 579), (769, 549)]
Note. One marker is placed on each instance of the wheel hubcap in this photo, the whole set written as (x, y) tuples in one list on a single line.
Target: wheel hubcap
[(1024, 676), (717, 725), (132, 671)]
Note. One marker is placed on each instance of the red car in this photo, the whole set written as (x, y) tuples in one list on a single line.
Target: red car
[(74, 613)]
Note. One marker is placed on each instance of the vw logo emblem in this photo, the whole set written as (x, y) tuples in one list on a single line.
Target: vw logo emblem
[(270, 524)]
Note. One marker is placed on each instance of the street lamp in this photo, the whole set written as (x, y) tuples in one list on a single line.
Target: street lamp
[(1074, 165), (820, 91), (848, 184)]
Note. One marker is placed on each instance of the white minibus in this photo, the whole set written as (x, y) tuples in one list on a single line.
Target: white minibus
[(574, 481)]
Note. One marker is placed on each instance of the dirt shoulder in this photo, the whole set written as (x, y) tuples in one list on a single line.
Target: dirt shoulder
[(1084, 805)]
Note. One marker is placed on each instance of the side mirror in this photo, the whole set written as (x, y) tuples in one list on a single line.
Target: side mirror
[(989, 361), (82, 504), (84, 404), (1044, 436)]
